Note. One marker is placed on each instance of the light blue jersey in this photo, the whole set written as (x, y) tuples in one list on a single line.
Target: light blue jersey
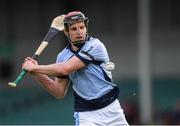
[(94, 80)]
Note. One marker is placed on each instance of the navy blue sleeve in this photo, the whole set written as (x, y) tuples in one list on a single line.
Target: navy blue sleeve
[(83, 59)]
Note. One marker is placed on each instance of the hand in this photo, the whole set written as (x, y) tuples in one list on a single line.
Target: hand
[(30, 64)]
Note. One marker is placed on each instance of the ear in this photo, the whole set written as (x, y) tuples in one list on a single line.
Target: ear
[(65, 32)]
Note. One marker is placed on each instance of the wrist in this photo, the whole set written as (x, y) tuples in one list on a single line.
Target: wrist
[(35, 68)]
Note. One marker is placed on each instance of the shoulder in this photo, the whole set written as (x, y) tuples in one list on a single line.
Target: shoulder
[(94, 49), (93, 43), (64, 53)]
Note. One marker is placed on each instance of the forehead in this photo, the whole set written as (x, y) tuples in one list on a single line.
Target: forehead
[(77, 23)]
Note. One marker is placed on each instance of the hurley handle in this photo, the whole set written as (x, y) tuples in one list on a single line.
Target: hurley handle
[(19, 78), (21, 75)]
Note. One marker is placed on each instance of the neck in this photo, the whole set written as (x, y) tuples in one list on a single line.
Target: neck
[(74, 48)]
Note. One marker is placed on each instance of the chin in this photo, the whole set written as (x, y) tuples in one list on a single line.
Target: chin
[(78, 41)]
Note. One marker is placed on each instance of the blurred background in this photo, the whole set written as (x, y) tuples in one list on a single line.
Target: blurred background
[(141, 36)]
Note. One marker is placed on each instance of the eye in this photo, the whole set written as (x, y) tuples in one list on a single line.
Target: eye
[(81, 27), (74, 29)]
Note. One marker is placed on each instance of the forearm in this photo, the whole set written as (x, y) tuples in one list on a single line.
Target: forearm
[(53, 69), (50, 85), (44, 80), (56, 69)]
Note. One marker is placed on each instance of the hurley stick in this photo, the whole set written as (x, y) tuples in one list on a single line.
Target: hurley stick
[(56, 26)]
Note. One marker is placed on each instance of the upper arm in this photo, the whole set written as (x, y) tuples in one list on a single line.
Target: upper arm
[(74, 64)]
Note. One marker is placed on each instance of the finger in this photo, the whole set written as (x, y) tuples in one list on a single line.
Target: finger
[(26, 59), (31, 59)]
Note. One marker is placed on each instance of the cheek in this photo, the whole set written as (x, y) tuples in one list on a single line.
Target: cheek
[(72, 36), (84, 33)]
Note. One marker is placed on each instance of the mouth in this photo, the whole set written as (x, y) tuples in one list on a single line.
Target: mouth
[(79, 38)]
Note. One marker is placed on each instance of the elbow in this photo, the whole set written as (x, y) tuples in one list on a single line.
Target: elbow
[(60, 96), (65, 70)]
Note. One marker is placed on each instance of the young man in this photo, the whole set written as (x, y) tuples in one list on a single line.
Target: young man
[(83, 62)]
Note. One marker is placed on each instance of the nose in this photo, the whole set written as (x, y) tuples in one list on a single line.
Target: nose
[(79, 31)]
